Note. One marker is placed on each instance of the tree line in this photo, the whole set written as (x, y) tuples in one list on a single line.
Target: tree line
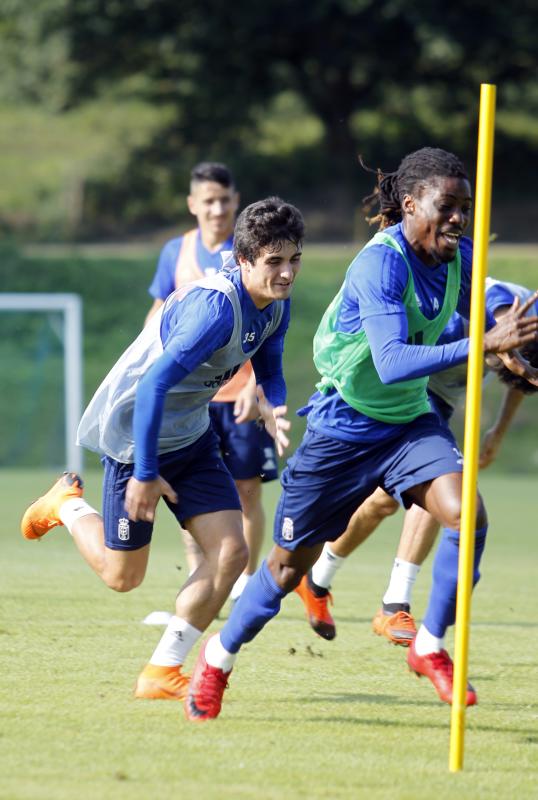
[(288, 93)]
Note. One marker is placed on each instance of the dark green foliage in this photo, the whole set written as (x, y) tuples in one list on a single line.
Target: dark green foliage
[(377, 78)]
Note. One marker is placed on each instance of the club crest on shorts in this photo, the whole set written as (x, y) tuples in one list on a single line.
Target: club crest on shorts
[(123, 529), (287, 529)]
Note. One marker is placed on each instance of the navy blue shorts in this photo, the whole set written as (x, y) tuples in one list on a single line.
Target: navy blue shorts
[(440, 407), (326, 479), (247, 449), (198, 475)]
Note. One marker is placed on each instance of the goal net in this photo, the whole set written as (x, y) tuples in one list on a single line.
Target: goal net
[(41, 395)]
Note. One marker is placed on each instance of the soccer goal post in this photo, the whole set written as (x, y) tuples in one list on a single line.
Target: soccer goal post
[(70, 305)]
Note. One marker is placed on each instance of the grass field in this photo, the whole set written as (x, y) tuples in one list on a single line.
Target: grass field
[(302, 718)]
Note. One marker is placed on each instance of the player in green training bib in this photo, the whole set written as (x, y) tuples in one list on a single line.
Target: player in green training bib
[(369, 423)]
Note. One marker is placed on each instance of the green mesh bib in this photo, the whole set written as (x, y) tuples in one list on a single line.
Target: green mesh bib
[(344, 360)]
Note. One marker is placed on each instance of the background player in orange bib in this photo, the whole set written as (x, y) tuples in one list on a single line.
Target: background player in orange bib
[(248, 451)]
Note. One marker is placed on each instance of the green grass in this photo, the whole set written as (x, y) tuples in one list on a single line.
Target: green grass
[(302, 718)]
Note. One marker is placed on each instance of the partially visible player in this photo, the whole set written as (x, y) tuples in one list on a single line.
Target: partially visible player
[(149, 420), (394, 619), (247, 449), (370, 422)]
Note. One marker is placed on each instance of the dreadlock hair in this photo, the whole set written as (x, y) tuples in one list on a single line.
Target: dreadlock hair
[(530, 354), (415, 171), (265, 225)]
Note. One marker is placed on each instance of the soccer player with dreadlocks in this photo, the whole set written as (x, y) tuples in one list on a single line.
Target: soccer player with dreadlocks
[(370, 423), (394, 619)]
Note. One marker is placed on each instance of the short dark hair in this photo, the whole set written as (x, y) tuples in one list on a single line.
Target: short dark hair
[(264, 225), (212, 171), (530, 353), (415, 170)]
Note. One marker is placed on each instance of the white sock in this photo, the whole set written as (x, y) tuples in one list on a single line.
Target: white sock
[(73, 509), (239, 585), (402, 580), (217, 656), (326, 567), (426, 642), (175, 644)]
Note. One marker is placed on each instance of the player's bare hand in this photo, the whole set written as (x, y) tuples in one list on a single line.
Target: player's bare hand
[(515, 362), (513, 329), (246, 405), (275, 422), (141, 498)]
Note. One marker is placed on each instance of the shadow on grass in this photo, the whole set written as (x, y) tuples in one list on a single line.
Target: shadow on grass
[(386, 699), (529, 734), (377, 699)]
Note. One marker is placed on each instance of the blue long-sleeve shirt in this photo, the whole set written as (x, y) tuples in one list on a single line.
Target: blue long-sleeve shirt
[(373, 300), (191, 332)]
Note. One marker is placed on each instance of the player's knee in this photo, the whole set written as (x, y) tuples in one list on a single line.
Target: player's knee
[(451, 512), (481, 515), (386, 506), (123, 582), (233, 558), (289, 578)]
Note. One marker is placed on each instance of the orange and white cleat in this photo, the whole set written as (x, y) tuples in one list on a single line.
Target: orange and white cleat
[(206, 689), (43, 514), (316, 602), (438, 667), (161, 683), (396, 625)]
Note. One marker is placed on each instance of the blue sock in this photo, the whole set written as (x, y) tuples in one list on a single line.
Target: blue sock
[(442, 605), (258, 603)]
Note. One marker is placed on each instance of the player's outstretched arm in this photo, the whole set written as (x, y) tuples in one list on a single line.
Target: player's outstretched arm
[(493, 437), (275, 422)]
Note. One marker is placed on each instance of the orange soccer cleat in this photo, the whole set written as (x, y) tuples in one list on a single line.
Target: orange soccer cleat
[(161, 683), (316, 602), (204, 700), (398, 626), (438, 667), (43, 514)]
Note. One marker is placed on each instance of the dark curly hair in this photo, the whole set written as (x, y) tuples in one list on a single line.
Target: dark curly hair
[(265, 225), (415, 171), (530, 354)]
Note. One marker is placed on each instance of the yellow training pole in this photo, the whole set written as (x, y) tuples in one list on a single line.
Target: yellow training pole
[(472, 421)]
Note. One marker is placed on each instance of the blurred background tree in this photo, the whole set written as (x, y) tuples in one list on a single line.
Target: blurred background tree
[(107, 104)]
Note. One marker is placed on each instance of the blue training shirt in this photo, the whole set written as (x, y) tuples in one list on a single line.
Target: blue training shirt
[(373, 299), (163, 282), (190, 332)]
